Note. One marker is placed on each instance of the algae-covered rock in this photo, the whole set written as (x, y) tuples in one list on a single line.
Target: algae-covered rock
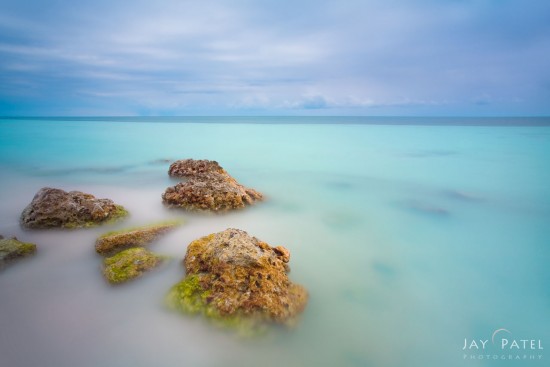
[(129, 264), (208, 187), (113, 242), (12, 249), (52, 208), (235, 278)]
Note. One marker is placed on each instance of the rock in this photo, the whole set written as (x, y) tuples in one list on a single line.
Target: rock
[(161, 161), (129, 264), (112, 242), (427, 208), (57, 208), (461, 195), (234, 278), (208, 187), (12, 249), (188, 168), (283, 253)]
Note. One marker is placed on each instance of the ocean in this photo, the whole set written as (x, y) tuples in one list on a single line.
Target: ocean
[(422, 241)]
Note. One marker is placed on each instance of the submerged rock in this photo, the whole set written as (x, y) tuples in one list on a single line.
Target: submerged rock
[(113, 242), (57, 208), (12, 249), (461, 195), (129, 264), (235, 279), (161, 161), (427, 208), (208, 187)]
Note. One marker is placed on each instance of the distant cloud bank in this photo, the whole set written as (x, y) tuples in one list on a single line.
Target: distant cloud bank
[(416, 57)]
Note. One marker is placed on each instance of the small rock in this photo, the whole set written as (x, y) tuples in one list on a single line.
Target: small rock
[(55, 208), (283, 253), (208, 187), (112, 242), (427, 208), (461, 195), (129, 264), (12, 249), (161, 161), (234, 278)]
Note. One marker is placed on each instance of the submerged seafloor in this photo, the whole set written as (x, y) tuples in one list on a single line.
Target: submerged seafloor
[(410, 239)]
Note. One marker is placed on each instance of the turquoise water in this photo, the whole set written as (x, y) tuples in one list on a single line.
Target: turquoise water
[(410, 239)]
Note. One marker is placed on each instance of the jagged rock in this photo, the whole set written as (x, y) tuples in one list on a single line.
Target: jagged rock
[(208, 187), (12, 249), (283, 253), (188, 168), (112, 242), (129, 264), (57, 208), (234, 278)]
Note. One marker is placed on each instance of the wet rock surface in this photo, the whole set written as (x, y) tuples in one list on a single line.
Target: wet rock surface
[(207, 187), (234, 278), (55, 208), (129, 264), (11, 249), (112, 242), (189, 168)]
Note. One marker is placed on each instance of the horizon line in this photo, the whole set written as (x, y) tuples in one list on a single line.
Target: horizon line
[(266, 116)]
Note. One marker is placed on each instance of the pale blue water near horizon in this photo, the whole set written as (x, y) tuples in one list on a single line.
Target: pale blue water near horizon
[(411, 234)]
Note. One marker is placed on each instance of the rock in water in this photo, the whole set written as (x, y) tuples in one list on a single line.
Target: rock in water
[(234, 278), (129, 264), (188, 168), (208, 187), (12, 249), (112, 242), (55, 208)]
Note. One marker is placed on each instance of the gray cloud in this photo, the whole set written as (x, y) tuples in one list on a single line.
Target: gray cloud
[(358, 57)]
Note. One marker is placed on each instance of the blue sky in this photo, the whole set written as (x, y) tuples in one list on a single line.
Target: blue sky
[(370, 57)]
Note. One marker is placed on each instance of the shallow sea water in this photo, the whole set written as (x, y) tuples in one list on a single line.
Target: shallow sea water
[(409, 238)]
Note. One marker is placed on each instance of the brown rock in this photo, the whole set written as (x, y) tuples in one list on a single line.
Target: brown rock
[(231, 275), (208, 187), (57, 208), (112, 242), (188, 168), (283, 253)]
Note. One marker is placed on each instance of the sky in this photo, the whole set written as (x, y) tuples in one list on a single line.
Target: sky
[(274, 57)]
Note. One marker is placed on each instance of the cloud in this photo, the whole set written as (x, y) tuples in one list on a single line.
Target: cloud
[(179, 57), (312, 103)]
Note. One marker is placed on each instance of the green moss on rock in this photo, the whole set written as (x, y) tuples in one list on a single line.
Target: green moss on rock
[(189, 297), (12, 249), (129, 264), (112, 242), (119, 213), (238, 281)]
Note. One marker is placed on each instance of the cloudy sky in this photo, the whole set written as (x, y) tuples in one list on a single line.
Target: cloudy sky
[(275, 57)]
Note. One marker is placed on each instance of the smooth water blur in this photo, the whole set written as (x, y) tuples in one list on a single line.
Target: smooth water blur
[(409, 238)]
